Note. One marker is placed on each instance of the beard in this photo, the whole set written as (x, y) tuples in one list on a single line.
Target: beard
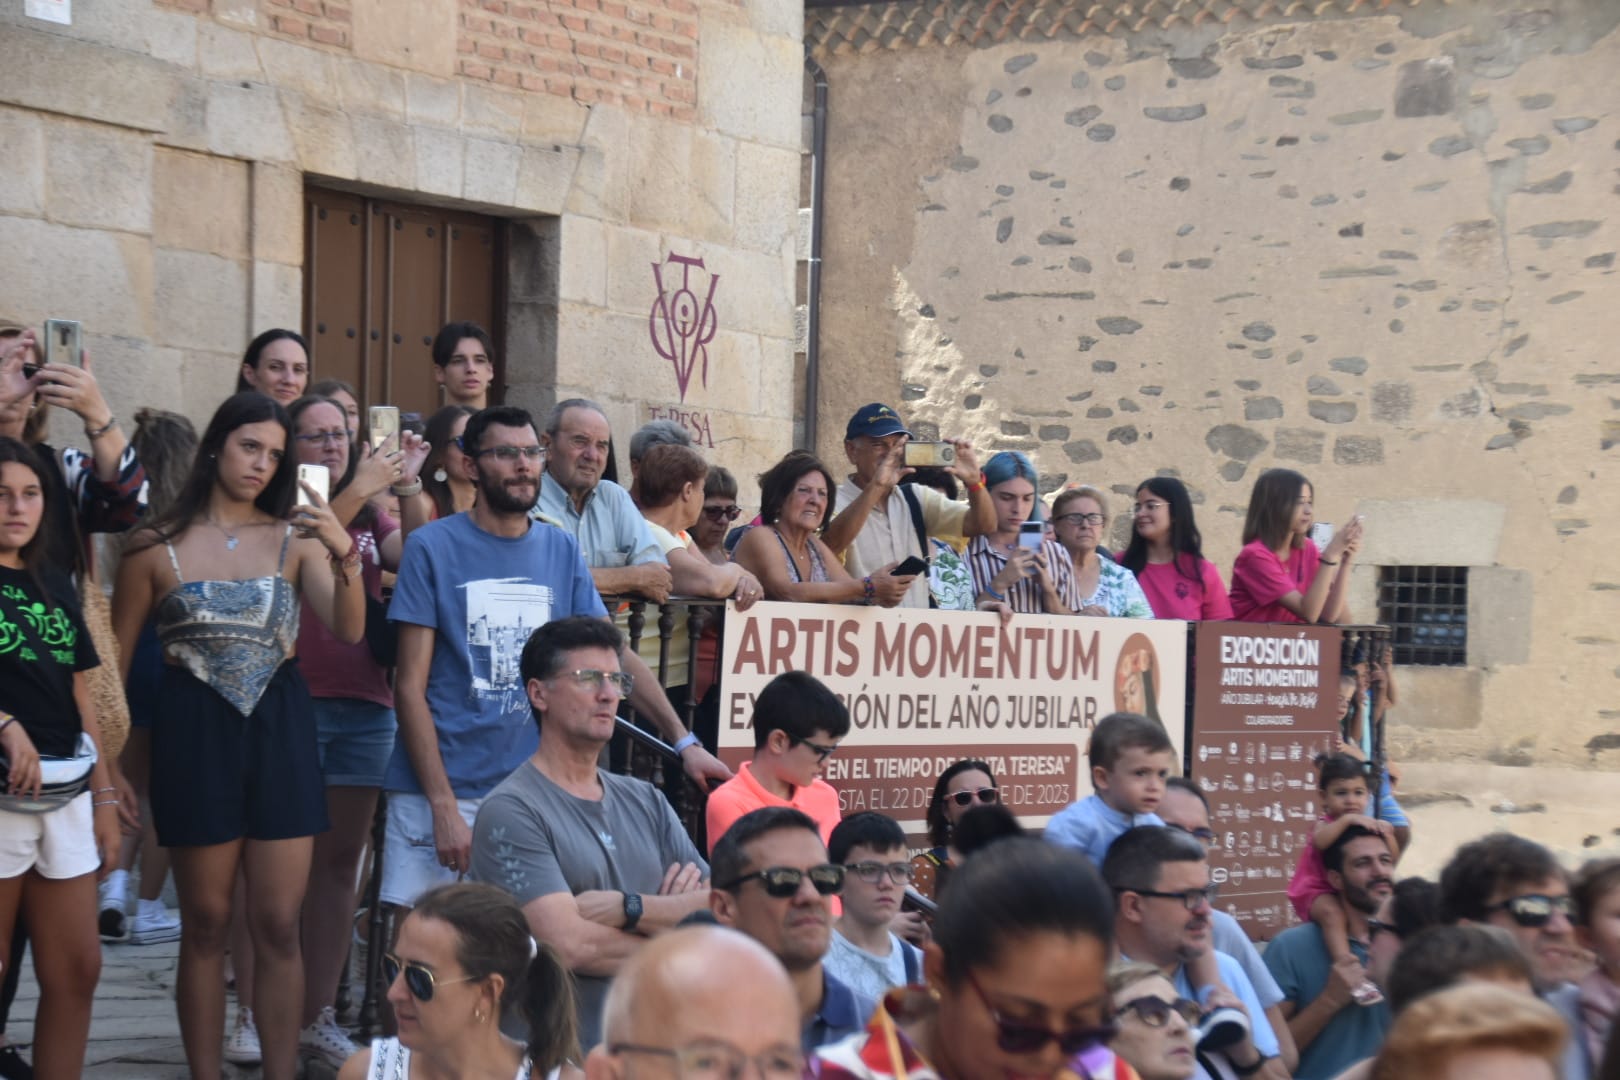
[(1362, 899), (497, 494)]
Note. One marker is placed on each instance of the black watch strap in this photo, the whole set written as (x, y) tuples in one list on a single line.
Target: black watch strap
[(632, 911)]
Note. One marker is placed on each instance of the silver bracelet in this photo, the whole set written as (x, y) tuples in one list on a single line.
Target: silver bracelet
[(405, 491)]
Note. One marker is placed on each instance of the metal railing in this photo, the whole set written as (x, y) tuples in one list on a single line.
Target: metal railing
[(1366, 645)]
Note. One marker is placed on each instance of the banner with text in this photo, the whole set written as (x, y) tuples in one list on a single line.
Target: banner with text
[(1264, 706), (927, 688)]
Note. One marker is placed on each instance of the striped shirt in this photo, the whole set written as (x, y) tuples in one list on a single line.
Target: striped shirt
[(986, 560)]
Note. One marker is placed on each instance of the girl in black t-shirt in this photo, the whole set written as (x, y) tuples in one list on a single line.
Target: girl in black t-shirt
[(49, 861)]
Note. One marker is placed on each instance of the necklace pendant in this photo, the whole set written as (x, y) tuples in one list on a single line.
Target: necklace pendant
[(230, 542)]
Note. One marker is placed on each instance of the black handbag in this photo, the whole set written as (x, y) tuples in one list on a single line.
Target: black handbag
[(382, 636)]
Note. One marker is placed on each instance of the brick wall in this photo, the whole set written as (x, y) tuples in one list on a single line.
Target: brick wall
[(321, 22), (641, 54)]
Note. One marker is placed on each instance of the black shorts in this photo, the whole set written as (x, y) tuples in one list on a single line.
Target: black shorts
[(218, 777)]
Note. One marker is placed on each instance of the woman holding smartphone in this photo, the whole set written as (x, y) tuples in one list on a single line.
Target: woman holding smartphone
[(1015, 564), (236, 777), (1280, 576)]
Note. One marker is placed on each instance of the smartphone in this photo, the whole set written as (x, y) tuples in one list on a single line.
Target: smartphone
[(382, 425), (64, 342), (1322, 534), (1031, 534), (913, 565), (926, 455), (318, 477)]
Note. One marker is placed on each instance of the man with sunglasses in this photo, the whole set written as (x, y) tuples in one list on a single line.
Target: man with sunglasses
[(599, 861), (1518, 885), (866, 954), (1333, 1031), (1163, 903), (774, 881)]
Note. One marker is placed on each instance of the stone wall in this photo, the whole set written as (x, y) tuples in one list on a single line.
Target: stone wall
[(159, 152), (1378, 249)]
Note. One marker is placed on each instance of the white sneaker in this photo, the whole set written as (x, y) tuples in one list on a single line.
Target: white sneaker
[(325, 1040), (242, 1045), (153, 924), (112, 921)]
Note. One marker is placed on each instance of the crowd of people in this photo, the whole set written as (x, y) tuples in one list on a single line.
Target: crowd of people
[(438, 628)]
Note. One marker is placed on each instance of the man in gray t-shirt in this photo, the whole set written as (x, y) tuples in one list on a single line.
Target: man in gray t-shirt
[(599, 862)]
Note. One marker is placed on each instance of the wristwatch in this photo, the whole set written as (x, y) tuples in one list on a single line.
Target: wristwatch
[(632, 911)]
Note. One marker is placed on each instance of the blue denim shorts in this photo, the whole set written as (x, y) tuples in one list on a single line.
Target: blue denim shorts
[(356, 739)]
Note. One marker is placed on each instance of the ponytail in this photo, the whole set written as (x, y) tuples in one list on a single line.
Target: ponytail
[(547, 1005)]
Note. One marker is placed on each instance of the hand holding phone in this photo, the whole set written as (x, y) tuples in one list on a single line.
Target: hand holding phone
[(382, 428), (926, 455), (911, 566), (318, 477), (1031, 534)]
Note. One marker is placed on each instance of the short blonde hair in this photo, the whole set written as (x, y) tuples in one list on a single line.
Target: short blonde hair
[(1472, 1016), (1075, 491), (1129, 973)]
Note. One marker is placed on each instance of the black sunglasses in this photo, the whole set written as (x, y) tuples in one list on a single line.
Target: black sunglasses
[(1379, 926), (722, 513), (1536, 910), (1201, 834), (784, 881), (985, 795), (1155, 1011), (419, 978), (1017, 1037)]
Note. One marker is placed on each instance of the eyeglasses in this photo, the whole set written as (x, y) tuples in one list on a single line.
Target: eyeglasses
[(722, 1061), (784, 881), (1017, 1037), (621, 681), (1150, 507), (1192, 898), (1536, 910), (822, 752), (419, 978), (872, 872), (722, 513), (1155, 1011), (1201, 834), (1379, 926), (1078, 520), (509, 453), (985, 795), (325, 438)]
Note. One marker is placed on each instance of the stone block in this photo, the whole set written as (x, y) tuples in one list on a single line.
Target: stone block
[(199, 301), (631, 255), (487, 111), (103, 279), (417, 37), (1501, 600), (582, 261), (224, 53), (324, 140), (278, 294), (440, 162), (243, 13), (308, 70), (131, 373), (215, 225), (187, 125), (22, 182), (533, 272), (730, 381), (209, 378), (384, 152), (772, 70), (171, 37), (277, 214), (1358, 450), (371, 88), (781, 382), (1404, 532), (767, 197), (491, 172), (246, 121), (553, 118), (58, 74), (1299, 444), (545, 174), (756, 291), (1441, 698), (601, 189), (430, 101)]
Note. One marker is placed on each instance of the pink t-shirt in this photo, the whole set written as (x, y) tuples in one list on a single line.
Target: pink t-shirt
[(742, 794), (1176, 596), (335, 669), (1259, 580), (1310, 876)]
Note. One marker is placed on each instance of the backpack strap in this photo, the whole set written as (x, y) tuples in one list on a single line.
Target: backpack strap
[(914, 505)]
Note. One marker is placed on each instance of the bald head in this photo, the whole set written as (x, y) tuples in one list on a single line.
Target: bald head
[(702, 982)]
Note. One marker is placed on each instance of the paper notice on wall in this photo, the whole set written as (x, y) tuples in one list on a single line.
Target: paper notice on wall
[(56, 11)]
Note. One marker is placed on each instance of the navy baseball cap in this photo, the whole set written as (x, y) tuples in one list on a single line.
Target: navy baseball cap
[(876, 420)]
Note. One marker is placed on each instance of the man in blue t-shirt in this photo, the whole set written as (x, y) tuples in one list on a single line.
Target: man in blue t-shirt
[(1332, 1031), (471, 590)]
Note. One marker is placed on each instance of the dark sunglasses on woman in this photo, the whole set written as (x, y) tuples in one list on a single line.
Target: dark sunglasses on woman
[(1018, 1037), (1536, 910), (1155, 1011), (419, 978), (722, 513), (985, 795)]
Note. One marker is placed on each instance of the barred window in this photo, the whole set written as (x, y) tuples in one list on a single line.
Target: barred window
[(1426, 608)]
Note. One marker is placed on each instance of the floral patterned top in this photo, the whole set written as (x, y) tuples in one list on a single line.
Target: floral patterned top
[(949, 579), (1118, 591)]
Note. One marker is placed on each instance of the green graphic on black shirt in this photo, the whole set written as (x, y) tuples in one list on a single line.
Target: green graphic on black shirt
[(52, 627)]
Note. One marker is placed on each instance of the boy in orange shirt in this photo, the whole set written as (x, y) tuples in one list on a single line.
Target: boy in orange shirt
[(797, 725)]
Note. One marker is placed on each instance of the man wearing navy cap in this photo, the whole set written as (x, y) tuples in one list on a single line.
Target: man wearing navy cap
[(877, 517)]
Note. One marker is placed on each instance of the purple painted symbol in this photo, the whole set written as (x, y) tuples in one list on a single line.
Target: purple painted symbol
[(680, 326)]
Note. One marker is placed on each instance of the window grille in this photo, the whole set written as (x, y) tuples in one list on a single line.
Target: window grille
[(1426, 608)]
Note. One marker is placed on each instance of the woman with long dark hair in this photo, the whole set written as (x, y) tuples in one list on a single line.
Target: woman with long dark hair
[(236, 777), (961, 787), (464, 961), (1166, 553), (276, 364), (443, 477), (59, 811), (1280, 576)]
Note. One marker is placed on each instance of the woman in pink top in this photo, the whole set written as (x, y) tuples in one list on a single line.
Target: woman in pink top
[(1166, 553), (1279, 575)]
